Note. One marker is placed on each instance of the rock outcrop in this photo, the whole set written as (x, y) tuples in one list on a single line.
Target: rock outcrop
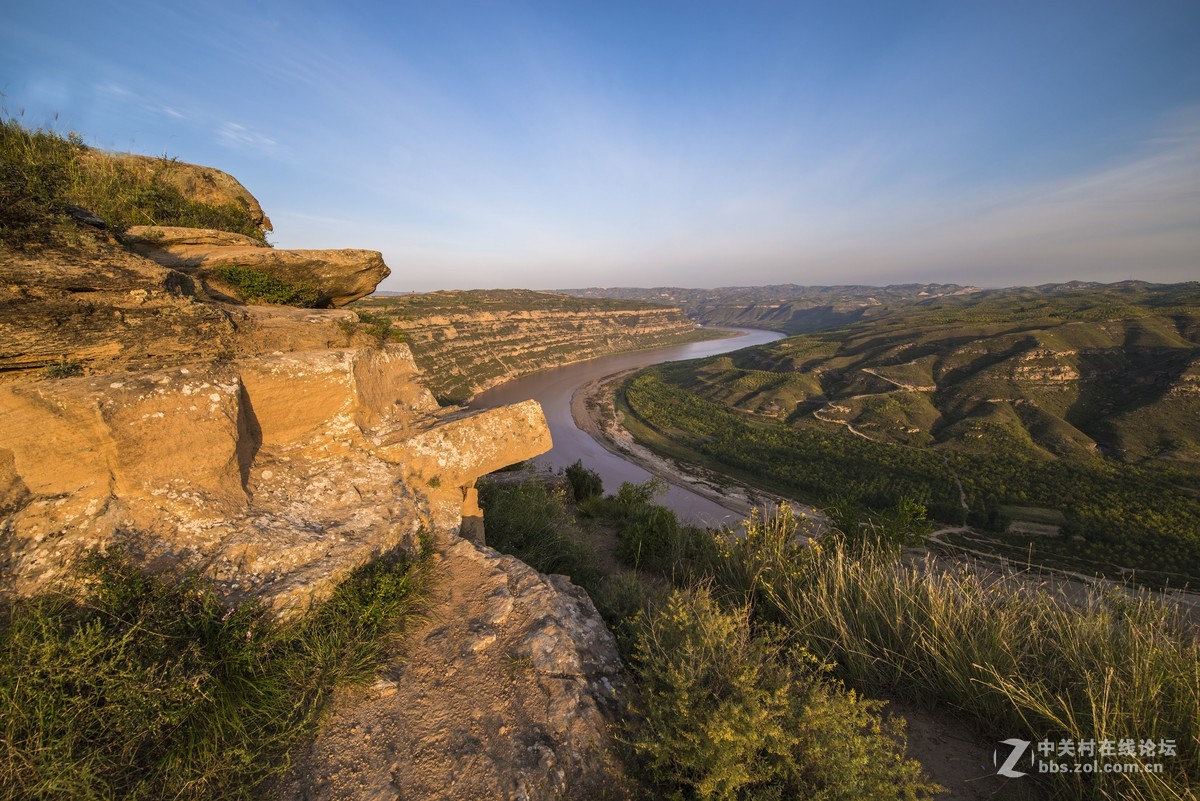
[(278, 474), (276, 449), (507, 691), (330, 278), (196, 182)]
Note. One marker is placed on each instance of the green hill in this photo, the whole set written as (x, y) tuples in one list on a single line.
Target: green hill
[(1082, 400)]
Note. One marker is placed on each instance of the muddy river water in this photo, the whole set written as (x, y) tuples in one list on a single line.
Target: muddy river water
[(554, 388)]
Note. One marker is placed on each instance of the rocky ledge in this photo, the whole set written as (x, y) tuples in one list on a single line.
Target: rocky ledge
[(329, 278)]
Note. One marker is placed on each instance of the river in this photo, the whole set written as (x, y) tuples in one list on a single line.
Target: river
[(554, 388)]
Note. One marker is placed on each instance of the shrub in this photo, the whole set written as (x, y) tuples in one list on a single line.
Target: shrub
[(728, 713), (532, 522), (256, 286), (379, 327), (650, 539), (904, 524), (67, 368), (634, 496), (584, 483)]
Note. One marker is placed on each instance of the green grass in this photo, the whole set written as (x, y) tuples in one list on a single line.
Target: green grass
[(146, 687), (255, 286), (42, 173), (1008, 655), (1017, 659)]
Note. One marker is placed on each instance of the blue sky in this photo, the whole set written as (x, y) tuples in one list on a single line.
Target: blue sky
[(556, 144)]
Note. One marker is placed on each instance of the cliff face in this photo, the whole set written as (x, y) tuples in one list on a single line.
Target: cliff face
[(467, 342), (277, 473), (275, 449)]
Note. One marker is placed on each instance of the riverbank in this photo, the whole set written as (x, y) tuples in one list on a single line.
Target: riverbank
[(593, 410)]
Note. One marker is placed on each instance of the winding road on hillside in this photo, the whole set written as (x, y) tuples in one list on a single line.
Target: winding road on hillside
[(555, 387)]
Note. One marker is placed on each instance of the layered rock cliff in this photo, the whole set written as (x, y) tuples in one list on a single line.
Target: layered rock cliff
[(467, 342), (145, 405)]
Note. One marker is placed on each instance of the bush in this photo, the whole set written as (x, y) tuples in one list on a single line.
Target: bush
[(650, 539), (584, 483), (377, 326), (532, 522), (148, 688), (66, 368), (635, 496), (904, 524), (731, 714)]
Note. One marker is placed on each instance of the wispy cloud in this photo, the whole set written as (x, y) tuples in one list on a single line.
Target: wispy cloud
[(239, 136)]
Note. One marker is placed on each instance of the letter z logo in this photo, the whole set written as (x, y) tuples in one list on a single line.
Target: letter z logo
[(1018, 750)]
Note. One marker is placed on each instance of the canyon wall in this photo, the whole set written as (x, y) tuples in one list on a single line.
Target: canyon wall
[(467, 342)]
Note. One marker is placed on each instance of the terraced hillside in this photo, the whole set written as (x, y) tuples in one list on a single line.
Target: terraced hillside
[(1043, 411), (468, 341), (789, 308)]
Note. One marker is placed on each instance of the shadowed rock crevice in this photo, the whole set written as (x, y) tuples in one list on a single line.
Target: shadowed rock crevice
[(249, 438)]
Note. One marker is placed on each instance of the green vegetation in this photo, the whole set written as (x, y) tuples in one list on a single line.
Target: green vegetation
[(150, 688), (532, 522), (733, 663), (43, 174), (1013, 656), (67, 368), (585, 483), (255, 286), (730, 711), (1078, 402), (377, 327), (1127, 515)]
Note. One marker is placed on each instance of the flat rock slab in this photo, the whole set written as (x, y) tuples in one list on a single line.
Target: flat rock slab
[(334, 277)]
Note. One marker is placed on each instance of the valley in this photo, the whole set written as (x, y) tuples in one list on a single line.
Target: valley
[(1062, 419)]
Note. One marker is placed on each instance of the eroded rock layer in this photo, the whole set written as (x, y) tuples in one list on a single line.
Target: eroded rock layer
[(276, 473), (467, 342)]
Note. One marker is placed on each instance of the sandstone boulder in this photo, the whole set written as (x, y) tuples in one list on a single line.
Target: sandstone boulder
[(323, 278)]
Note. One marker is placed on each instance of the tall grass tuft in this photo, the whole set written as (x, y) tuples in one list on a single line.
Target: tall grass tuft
[(43, 174), (1022, 660)]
